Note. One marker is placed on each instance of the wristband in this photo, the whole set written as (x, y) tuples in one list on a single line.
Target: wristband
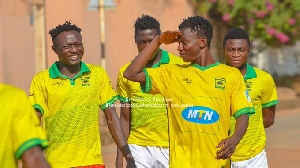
[(126, 149)]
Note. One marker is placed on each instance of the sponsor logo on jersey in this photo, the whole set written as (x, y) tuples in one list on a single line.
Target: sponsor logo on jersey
[(200, 115), (247, 95), (220, 83)]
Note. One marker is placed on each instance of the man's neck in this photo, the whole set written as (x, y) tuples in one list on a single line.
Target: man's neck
[(243, 69), (69, 71), (205, 60), (157, 57)]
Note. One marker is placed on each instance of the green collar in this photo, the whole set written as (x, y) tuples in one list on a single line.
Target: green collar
[(205, 68), (250, 73), (164, 59), (55, 73)]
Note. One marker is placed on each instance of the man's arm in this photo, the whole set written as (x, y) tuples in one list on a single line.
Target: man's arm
[(134, 71), (117, 133), (228, 145), (269, 116), (33, 158), (125, 123)]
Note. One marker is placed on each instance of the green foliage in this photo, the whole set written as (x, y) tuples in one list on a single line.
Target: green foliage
[(272, 22)]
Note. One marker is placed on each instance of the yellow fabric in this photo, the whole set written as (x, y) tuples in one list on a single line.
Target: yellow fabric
[(70, 111), (20, 128), (262, 91), (149, 123), (201, 101)]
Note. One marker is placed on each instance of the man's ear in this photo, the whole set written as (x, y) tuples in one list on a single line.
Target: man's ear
[(202, 42), (54, 48)]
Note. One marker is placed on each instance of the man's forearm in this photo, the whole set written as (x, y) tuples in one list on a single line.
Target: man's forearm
[(33, 157), (115, 129), (241, 126), (124, 119), (269, 116)]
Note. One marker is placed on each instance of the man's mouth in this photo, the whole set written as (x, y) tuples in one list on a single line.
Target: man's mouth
[(74, 57)]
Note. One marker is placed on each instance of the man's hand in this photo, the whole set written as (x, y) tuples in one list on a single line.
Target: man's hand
[(169, 37), (130, 161), (227, 146)]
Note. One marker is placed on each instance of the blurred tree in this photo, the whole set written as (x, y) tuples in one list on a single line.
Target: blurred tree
[(273, 23)]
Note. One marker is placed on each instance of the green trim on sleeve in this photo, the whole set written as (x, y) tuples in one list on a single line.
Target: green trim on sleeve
[(146, 88), (109, 103), (124, 99), (246, 110), (269, 104), (37, 106), (29, 144)]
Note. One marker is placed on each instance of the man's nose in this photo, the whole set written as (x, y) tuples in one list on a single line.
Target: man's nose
[(236, 53), (179, 48), (73, 48)]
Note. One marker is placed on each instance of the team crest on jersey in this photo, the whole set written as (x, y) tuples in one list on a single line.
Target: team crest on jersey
[(220, 83), (249, 86), (85, 81), (200, 115)]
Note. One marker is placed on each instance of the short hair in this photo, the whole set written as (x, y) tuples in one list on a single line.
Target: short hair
[(67, 26), (236, 33), (199, 25), (146, 22)]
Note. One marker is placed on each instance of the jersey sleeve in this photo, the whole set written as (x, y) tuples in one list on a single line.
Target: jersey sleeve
[(107, 95), (157, 79), (269, 93), (26, 131), (123, 90), (240, 99), (36, 97)]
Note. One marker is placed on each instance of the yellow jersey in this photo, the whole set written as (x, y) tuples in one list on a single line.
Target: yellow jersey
[(70, 109), (20, 127), (149, 122), (201, 101), (262, 91)]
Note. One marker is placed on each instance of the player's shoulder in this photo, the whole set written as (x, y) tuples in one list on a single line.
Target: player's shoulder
[(96, 69), (174, 67), (10, 92), (228, 69), (124, 67), (43, 74), (261, 73), (174, 59)]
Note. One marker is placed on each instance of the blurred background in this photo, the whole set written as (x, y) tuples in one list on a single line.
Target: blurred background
[(108, 38)]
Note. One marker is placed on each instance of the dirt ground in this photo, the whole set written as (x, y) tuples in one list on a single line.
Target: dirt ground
[(283, 138)]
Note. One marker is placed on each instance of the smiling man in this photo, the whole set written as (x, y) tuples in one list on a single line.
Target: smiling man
[(201, 97), (68, 96), (262, 90)]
